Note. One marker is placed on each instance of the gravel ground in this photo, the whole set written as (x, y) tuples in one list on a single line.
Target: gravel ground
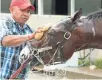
[(42, 76)]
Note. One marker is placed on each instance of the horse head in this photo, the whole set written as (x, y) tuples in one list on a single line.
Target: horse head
[(61, 38), (72, 34)]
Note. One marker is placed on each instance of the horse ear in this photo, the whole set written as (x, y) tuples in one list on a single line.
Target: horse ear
[(77, 15)]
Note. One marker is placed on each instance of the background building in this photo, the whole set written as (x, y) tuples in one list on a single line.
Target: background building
[(59, 7)]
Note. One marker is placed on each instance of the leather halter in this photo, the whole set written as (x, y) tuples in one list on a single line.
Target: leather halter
[(58, 46)]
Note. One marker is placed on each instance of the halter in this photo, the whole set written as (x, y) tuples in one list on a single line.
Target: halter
[(59, 46)]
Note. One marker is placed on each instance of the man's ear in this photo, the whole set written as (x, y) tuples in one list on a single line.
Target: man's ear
[(11, 9), (77, 15)]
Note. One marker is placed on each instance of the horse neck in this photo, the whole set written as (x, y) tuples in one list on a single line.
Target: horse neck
[(98, 28), (84, 31), (86, 34), (97, 25)]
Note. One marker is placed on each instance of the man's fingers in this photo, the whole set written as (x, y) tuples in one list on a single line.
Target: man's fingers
[(38, 36), (38, 31)]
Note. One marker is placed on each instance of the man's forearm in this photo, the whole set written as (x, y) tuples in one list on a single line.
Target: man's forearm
[(14, 40)]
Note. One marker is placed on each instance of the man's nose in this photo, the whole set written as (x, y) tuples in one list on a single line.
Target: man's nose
[(27, 13)]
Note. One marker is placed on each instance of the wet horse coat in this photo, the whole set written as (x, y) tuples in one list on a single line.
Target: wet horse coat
[(84, 33)]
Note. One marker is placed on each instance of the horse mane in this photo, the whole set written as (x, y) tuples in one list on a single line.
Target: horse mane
[(95, 15)]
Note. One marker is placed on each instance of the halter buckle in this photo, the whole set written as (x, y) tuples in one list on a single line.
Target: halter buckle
[(66, 36)]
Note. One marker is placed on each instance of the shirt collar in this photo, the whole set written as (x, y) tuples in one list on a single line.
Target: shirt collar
[(24, 26)]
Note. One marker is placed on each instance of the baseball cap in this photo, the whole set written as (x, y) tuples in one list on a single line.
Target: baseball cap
[(23, 4)]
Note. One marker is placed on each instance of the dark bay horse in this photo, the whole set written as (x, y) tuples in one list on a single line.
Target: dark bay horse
[(70, 35), (74, 34)]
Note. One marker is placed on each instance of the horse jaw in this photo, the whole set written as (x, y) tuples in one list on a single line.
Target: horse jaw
[(68, 50)]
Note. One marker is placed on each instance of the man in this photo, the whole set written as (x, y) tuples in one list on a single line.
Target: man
[(13, 36)]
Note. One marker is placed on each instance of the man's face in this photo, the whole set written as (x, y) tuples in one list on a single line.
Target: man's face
[(20, 15)]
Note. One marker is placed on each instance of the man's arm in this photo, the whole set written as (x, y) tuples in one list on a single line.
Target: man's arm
[(15, 40)]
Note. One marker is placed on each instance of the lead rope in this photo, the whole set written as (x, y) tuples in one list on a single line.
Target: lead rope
[(88, 55), (52, 59)]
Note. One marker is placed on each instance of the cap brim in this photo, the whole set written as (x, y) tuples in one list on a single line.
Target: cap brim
[(32, 8), (26, 6)]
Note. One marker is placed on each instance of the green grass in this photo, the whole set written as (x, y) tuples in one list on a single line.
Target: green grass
[(87, 62), (98, 63)]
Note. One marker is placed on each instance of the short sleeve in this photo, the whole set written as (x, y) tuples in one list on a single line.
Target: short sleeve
[(4, 31)]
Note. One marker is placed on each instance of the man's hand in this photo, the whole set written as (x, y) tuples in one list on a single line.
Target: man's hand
[(39, 33)]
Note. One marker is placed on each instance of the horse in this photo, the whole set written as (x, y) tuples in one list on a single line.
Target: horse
[(74, 34), (68, 36)]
